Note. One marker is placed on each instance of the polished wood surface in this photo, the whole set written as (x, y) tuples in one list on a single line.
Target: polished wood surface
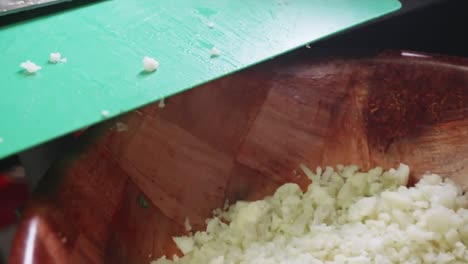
[(120, 196)]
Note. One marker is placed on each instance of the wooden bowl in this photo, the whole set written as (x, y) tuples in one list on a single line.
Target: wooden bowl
[(128, 186)]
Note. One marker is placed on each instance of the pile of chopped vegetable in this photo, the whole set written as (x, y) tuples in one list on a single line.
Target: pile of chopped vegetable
[(345, 216)]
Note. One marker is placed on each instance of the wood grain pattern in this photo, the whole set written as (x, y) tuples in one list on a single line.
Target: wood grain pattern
[(193, 110), (292, 125), (120, 196), (163, 156), (147, 227)]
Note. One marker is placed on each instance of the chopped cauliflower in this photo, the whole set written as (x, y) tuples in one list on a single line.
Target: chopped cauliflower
[(121, 127), (345, 216), (105, 113), (185, 244), (150, 64), (30, 66), (56, 57), (187, 225), (162, 103), (215, 52)]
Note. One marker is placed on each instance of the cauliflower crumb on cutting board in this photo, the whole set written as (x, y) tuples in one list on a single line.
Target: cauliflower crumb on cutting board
[(105, 113), (215, 52), (30, 66), (345, 216), (150, 64), (56, 57)]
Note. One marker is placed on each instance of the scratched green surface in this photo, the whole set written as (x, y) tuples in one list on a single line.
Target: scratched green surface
[(106, 41)]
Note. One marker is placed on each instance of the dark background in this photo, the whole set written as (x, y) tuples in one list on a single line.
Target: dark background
[(434, 26)]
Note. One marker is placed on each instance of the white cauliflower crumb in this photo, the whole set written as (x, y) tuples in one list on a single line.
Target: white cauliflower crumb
[(56, 58), (217, 260), (150, 64), (185, 244), (121, 127), (215, 52), (30, 66), (105, 113), (162, 103), (188, 226), (211, 24), (341, 218)]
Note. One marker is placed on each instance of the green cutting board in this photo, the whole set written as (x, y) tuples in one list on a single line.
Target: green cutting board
[(105, 43)]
